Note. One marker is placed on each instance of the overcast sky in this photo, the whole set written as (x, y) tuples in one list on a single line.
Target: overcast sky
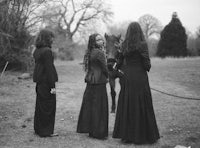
[(188, 11)]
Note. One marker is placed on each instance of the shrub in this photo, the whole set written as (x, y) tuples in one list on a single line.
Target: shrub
[(173, 40), (14, 36)]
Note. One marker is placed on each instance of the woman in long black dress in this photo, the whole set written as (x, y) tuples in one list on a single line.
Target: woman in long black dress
[(45, 76), (135, 119), (93, 117)]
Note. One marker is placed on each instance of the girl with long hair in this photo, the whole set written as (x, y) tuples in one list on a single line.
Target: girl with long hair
[(93, 117), (135, 120)]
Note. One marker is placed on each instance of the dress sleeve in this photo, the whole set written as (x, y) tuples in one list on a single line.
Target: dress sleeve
[(101, 58), (145, 56), (49, 68)]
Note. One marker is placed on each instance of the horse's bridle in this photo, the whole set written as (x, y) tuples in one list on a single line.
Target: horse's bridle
[(112, 62)]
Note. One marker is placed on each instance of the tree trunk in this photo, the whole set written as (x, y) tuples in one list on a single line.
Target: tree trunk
[(70, 37)]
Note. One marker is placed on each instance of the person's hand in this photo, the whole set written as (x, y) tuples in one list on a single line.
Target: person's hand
[(53, 91)]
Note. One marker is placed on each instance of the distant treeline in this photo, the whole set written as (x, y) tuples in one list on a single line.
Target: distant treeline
[(21, 20)]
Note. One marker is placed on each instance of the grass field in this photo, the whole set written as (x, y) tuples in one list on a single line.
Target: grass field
[(178, 120)]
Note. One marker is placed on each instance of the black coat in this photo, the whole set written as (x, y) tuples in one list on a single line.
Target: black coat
[(97, 72), (142, 51), (135, 119), (44, 71)]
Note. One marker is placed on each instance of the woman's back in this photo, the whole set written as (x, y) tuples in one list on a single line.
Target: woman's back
[(135, 120), (133, 59), (134, 71)]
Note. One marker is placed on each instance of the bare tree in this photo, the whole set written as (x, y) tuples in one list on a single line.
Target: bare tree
[(16, 20), (119, 28), (32, 13), (72, 16), (25, 11), (150, 25)]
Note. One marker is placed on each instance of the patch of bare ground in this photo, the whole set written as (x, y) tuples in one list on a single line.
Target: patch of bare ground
[(178, 120)]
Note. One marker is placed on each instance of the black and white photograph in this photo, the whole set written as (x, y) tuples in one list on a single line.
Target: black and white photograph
[(99, 74)]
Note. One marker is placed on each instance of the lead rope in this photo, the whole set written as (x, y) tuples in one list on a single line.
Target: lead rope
[(168, 94)]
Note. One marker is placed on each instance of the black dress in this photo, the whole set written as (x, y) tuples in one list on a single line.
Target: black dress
[(93, 117), (45, 76), (135, 120)]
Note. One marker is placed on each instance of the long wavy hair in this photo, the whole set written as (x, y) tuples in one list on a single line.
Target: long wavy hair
[(91, 45), (44, 38), (134, 36)]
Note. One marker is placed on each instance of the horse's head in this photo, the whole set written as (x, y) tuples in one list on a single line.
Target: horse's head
[(112, 43)]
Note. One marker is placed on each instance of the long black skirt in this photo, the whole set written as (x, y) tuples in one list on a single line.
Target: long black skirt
[(93, 117), (135, 119), (45, 109)]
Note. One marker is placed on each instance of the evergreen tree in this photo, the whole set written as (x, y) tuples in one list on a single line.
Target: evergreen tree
[(173, 39)]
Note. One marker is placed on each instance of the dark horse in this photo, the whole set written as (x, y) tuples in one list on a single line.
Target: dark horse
[(113, 58)]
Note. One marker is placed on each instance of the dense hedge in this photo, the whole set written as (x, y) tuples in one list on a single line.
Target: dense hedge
[(173, 39)]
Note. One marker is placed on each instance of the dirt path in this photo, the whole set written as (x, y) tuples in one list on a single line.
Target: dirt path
[(178, 120)]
